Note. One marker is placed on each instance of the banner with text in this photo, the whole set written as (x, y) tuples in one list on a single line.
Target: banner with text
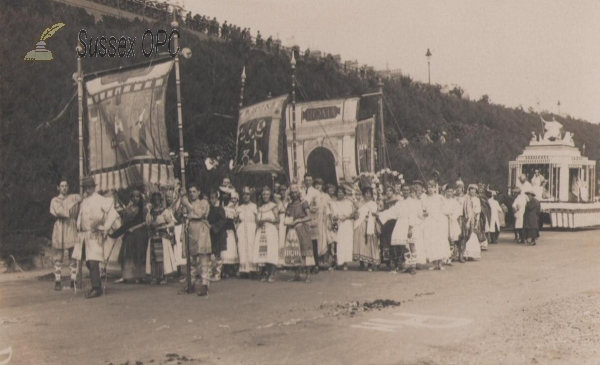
[(126, 124), (365, 144), (260, 138)]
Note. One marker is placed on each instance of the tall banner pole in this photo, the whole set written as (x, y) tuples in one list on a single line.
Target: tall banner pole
[(382, 149), (294, 153), (188, 271), (81, 171)]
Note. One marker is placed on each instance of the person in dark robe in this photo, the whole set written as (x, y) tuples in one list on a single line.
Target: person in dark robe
[(484, 217), (132, 256), (531, 219), (218, 234), (388, 227)]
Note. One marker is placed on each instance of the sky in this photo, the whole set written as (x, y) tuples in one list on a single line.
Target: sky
[(528, 52)]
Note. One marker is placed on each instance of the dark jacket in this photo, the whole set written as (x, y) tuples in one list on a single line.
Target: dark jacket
[(532, 214), (218, 234)]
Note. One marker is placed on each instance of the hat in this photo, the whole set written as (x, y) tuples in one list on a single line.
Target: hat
[(516, 189), (530, 192), (87, 181), (459, 182), (473, 186), (418, 182)]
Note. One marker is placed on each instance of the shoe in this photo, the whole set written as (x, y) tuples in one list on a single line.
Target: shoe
[(533, 243), (94, 293), (413, 271), (203, 291), (462, 260), (121, 280), (185, 291), (58, 286), (163, 281), (271, 279), (345, 267), (216, 278)]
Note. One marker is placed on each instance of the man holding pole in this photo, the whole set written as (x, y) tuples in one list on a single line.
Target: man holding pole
[(64, 236), (96, 216)]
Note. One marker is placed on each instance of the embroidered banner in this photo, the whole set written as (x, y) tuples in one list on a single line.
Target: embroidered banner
[(365, 143), (260, 139), (126, 124)]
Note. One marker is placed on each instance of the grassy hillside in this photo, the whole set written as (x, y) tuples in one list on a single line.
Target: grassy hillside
[(33, 93)]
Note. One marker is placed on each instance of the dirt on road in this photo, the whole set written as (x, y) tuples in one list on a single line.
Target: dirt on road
[(518, 305)]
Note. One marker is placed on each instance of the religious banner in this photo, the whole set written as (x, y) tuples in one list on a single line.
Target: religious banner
[(260, 138), (126, 124), (365, 144)]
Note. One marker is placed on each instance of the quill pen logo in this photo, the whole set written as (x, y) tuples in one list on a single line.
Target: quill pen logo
[(40, 53)]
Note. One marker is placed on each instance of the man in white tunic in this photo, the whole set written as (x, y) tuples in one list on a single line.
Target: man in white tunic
[(96, 216), (538, 182), (405, 217), (523, 184), (64, 208)]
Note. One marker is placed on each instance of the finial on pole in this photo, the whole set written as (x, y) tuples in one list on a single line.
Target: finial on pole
[(242, 88)]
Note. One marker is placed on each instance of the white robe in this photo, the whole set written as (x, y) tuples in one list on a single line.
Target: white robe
[(493, 224), (519, 208)]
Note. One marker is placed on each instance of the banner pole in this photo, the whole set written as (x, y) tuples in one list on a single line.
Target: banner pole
[(81, 172), (188, 271), (294, 153)]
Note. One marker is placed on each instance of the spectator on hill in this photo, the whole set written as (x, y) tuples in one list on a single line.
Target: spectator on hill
[(427, 137)]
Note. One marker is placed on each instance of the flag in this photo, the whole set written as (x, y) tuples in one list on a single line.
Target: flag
[(260, 137), (365, 143), (126, 125)]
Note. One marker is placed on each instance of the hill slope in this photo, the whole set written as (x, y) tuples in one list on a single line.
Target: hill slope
[(33, 93)]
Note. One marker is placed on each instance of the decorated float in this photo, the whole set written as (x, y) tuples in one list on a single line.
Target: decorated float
[(564, 181)]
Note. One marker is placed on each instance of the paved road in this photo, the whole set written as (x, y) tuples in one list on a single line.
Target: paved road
[(518, 305)]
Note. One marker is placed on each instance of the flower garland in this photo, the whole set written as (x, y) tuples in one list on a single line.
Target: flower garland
[(376, 179)]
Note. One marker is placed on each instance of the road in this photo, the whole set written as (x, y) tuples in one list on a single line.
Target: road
[(518, 305)]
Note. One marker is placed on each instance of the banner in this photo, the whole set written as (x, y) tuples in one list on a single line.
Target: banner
[(260, 138), (126, 124), (365, 144)]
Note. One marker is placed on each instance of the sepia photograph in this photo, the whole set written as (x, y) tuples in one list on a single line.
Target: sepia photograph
[(268, 182)]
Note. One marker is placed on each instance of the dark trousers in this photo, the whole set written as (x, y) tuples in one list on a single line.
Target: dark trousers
[(94, 268), (315, 245)]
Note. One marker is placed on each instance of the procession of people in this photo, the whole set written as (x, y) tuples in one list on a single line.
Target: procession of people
[(303, 228)]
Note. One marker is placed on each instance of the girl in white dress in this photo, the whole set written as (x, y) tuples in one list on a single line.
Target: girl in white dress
[(266, 241), (342, 211), (435, 227), (246, 230)]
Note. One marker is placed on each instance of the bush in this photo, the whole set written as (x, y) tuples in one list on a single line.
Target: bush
[(24, 247)]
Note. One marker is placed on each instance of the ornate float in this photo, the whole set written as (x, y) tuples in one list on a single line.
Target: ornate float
[(564, 181)]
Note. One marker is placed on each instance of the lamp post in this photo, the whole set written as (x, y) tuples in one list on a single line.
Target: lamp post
[(428, 55)]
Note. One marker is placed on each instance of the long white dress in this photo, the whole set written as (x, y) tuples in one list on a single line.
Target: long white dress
[(472, 209), (519, 209), (266, 241), (493, 225), (246, 232), (230, 256), (421, 249), (452, 210), (343, 209), (435, 231)]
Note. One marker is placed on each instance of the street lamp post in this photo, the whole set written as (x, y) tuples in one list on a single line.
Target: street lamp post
[(428, 55)]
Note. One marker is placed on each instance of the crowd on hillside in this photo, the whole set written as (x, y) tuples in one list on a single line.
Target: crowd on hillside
[(305, 228), (212, 27), (200, 23)]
